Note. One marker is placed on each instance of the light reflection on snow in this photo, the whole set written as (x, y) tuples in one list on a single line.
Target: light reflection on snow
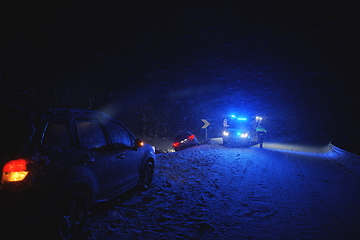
[(297, 148)]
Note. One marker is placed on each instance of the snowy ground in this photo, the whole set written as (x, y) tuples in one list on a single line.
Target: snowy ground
[(213, 192)]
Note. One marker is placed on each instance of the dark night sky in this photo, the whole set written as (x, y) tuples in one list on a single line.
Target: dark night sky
[(284, 59)]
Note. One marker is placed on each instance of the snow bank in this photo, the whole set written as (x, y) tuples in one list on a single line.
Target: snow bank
[(346, 159), (350, 161)]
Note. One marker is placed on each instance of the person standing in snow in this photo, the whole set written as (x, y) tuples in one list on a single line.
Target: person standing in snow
[(260, 130)]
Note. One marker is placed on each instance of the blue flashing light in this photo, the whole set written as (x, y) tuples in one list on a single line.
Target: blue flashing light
[(232, 116)]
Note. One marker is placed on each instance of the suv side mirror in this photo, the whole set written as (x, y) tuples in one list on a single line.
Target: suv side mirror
[(138, 143)]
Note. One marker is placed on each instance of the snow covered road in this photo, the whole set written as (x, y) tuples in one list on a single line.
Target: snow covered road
[(213, 192)]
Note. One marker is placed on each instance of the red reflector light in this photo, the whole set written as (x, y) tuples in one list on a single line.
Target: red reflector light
[(15, 165), (176, 144), (191, 137)]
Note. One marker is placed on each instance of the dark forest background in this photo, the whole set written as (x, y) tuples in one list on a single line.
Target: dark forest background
[(161, 66)]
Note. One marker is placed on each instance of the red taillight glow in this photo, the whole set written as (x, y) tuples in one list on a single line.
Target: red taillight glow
[(176, 144), (191, 137), (15, 165), (15, 170)]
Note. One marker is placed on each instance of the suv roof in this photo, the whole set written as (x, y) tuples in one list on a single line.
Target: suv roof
[(25, 113), (18, 124), (75, 111)]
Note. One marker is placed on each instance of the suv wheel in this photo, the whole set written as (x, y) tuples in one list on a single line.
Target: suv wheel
[(147, 175), (71, 216)]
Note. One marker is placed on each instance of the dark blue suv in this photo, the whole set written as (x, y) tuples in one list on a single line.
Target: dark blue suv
[(62, 160)]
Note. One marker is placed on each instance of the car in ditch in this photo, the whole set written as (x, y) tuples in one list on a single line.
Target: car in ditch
[(58, 162), (183, 140)]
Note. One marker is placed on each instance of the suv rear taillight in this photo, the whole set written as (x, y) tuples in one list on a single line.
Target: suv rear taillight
[(15, 170)]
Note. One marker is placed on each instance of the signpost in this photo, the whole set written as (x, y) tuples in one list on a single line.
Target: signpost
[(206, 124)]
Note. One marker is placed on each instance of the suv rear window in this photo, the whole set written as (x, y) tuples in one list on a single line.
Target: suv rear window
[(57, 134)]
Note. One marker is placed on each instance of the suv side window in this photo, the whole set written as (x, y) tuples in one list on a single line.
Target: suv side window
[(57, 134), (118, 134), (90, 133)]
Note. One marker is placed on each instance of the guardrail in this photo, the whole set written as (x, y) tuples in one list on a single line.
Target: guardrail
[(346, 159)]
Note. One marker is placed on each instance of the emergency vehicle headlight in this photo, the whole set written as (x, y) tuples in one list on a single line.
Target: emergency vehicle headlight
[(244, 135), (225, 133)]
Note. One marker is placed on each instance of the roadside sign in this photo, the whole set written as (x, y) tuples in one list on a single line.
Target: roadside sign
[(206, 123)]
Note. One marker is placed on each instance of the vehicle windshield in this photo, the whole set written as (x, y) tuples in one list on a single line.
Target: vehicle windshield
[(238, 124)]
